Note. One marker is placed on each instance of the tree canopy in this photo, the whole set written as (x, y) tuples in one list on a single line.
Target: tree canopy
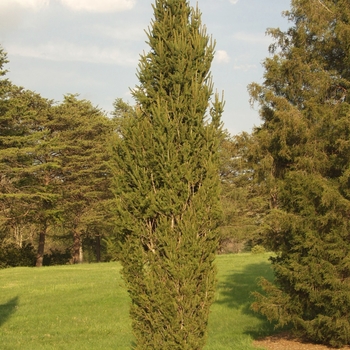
[(53, 169)]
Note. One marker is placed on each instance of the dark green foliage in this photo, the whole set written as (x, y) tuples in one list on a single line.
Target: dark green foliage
[(28, 181), (304, 161), (53, 170), (167, 184), (12, 255), (82, 132), (57, 257)]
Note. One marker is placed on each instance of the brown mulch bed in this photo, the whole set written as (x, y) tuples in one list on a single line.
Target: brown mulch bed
[(284, 341)]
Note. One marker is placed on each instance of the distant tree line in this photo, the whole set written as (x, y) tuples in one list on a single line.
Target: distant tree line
[(56, 200), (54, 177)]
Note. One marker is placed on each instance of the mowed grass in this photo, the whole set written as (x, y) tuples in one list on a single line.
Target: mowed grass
[(86, 306)]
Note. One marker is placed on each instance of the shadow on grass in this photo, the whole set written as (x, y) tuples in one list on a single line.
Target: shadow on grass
[(7, 309), (236, 292)]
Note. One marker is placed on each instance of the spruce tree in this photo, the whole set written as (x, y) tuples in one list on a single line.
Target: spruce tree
[(304, 160), (167, 184)]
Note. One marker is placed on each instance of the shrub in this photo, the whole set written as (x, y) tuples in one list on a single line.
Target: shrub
[(12, 255), (258, 249)]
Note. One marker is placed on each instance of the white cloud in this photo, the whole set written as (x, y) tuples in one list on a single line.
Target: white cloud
[(122, 31), (244, 67), (13, 12), (31, 4), (260, 38), (99, 5), (64, 51), (75, 5), (221, 56), (234, 2)]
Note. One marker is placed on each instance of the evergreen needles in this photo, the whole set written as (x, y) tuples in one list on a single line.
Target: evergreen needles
[(167, 185), (305, 150)]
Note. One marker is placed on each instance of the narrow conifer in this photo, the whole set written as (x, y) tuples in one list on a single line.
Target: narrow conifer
[(167, 184)]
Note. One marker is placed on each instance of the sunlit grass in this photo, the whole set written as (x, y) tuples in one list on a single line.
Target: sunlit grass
[(64, 307), (86, 306), (232, 324)]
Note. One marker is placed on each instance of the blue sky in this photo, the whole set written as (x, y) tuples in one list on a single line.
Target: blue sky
[(92, 47)]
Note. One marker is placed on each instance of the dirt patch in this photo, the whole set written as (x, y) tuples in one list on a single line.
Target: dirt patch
[(284, 341)]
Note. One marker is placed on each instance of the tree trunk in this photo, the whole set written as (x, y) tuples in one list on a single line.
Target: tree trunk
[(77, 248), (41, 247), (18, 235), (98, 248)]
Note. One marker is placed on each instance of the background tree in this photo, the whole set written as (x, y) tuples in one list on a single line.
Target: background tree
[(243, 198), (54, 176), (304, 155), (83, 132), (26, 193), (167, 184)]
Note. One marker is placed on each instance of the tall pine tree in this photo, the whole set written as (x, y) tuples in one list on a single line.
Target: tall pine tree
[(82, 131), (27, 180), (167, 184), (304, 159)]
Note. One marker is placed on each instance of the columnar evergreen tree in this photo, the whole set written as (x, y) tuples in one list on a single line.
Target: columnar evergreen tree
[(304, 159), (167, 184)]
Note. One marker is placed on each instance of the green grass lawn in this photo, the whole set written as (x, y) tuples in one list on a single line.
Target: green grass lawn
[(85, 307)]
